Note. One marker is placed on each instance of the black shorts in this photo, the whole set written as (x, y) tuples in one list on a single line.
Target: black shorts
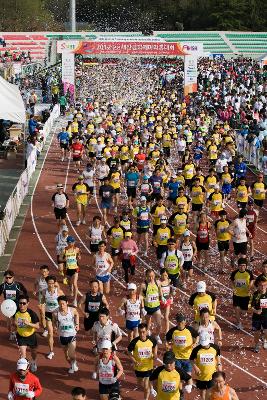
[(64, 146), (259, 323), (91, 189), (212, 161), (94, 247), (89, 322), (114, 252), (71, 272), (123, 162), (60, 213), (162, 248), (174, 278), (203, 385), (143, 374), (117, 190), (91, 154), (131, 192), (141, 230), (240, 248), (258, 203), (241, 302), (167, 151), (60, 260), (188, 182), (29, 341), (65, 341), (242, 204), (188, 265), (197, 207), (107, 389), (202, 246), (154, 196), (76, 159), (48, 316), (223, 245)]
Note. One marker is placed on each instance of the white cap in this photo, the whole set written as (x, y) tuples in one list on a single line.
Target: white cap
[(106, 344), (163, 218), (22, 364), (216, 186), (186, 232), (201, 287), (131, 286), (204, 339), (143, 198)]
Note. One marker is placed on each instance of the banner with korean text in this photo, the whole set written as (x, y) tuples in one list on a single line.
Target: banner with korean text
[(190, 74), (68, 74)]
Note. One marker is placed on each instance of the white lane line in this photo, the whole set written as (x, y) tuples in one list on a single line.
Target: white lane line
[(244, 370)]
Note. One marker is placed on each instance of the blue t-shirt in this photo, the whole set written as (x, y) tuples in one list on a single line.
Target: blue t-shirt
[(173, 189), (131, 179), (63, 137), (156, 182)]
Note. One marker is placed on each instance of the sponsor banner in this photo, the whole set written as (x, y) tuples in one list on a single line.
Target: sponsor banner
[(130, 47), (68, 74), (190, 74)]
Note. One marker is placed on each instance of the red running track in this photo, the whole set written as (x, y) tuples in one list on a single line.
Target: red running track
[(246, 371)]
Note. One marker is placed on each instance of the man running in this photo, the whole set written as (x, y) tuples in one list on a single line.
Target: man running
[(60, 203)]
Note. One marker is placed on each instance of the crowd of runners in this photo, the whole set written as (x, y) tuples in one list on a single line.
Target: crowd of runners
[(165, 174)]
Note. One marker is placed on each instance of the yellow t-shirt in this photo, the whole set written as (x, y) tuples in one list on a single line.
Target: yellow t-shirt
[(216, 200), (115, 180), (143, 353), (197, 194), (199, 302), (70, 256), (210, 182), (242, 194), (117, 235), (20, 317), (182, 201), (182, 342), (213, 152), (159, 211), (189, 171), (205, 360), (168, 387), (81, 196), (241, 282), (221, 230), (179, 223), (162, 235), (258, 191)]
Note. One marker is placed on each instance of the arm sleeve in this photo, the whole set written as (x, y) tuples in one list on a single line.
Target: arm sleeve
[(34, 316), (169, 334), (74, 186), (67, 197), (132, 344), (194, 353), (156, 373), (192, 298), (183, 375), (232, 276), (194, 333), (53, 197)]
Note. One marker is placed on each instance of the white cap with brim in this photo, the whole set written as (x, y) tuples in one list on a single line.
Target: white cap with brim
[(22, 364), (187, 233), (143, 198), (204, 339), (201, 287), (106, 344), (131, 286)]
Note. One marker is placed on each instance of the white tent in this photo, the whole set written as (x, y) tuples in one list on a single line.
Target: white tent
[(11, 103)]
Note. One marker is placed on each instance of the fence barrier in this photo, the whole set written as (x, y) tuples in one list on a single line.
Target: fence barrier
[(20, 191)]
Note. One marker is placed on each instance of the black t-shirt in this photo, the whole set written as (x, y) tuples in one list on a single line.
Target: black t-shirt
[(12, 291), (259, 301), (106, 192)]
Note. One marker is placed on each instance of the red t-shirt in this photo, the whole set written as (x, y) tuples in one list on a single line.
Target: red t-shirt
[(20, 387), (77, 149)]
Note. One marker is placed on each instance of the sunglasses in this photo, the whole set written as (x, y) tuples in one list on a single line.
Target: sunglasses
[(23, 303), (9, 277)]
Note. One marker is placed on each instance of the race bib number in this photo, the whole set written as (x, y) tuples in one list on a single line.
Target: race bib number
[(168, 386), (151, 298), (263, 303), (11, 294), (171, 265), (20, 323), (21, 389), (203, 305), (144, 352), (93, 306), (144, 216), (179, 340), (131, 183), (240, 283), (206, 359), (106, 194)]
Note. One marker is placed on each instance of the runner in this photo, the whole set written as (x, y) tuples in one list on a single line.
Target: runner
[(77, 149), (128, 250), (26, 322), (109, 370), (161, 236), (115, 235), (50, 304), (258, 304), (23, 384), (189, 251), (88, 175), (259, 189), (169, 379), (63, 139), (181, 339), (115, 180), (96, 233), (179, 221), (197, 193), (103, 264), (61, 244), (242, 282), (143, 353), (167, 292), (202, 299), (206, 360), (252, 220), (106, 193), (203, 240), (152, 294), (242, 193), (66, 322), (60, 203), (220, 391), (215, 202), (91, 303), (81, 192), (72, 256), (172, 260), (40, 285), (105, 329), (131, 178), (142, 213), (10, 289), (240, 233), (206, 325), (223, 238)]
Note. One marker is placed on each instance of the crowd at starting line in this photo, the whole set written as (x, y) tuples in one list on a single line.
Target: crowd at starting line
[(164, 170)]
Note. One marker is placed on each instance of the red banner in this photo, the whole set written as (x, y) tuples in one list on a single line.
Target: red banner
[(133, 48)]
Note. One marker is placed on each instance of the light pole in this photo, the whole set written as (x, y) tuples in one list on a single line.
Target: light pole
[(73, 15)]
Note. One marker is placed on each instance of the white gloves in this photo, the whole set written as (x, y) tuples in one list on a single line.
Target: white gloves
[(153, 392), (10, 396), (30, 394), (188, 388), (94, 375), (143, 312), (114, 379)]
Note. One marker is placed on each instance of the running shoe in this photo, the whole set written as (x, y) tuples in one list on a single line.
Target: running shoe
[(45, 333), (239, 326), (50, 355), (83, 222), (256, 348), (145, 253), (78, 223), (153, 392), (12, 336), (74, 303), (73, 368), (265, 344), (158, 339), (33, 366)]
